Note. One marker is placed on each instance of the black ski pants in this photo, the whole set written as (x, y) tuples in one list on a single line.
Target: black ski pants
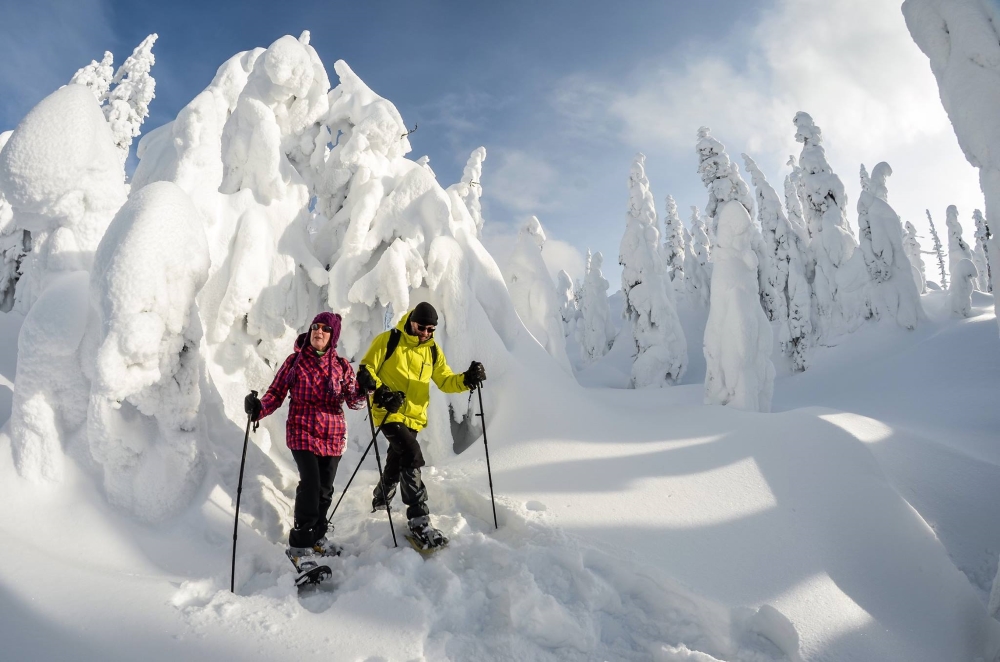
[(402, 466), (312, 496)]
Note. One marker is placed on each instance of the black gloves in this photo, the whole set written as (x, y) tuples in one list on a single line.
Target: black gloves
[(365, 379), (474, 376), (388, 399), (252, 406)]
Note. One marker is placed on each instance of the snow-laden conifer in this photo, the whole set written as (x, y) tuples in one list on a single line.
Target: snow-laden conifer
[(793, 203), (911, 246), (697, 260), (981, 252), (533, 292), (97, 76), (892, 291), (566, 295), (788, 278), (739, 371), (595, 331), (938, 251), (673, 243), (724, 183), (958, 249), (840, 277), (470, 188), (661, 349), (963, 283), (133, 88)]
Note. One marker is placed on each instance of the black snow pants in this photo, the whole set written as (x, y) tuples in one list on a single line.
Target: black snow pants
[(402, 466), (312, 497)]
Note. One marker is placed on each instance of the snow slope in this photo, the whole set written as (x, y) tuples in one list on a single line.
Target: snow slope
[(853, 524)]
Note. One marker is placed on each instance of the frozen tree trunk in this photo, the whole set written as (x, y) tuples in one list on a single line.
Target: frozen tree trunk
[(938, 251), (738, 335), (963, 278), (661, 349)]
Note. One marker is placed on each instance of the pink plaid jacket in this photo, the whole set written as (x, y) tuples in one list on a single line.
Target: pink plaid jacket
[(319, 387)]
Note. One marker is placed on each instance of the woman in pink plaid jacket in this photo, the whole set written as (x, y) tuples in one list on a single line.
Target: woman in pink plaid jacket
[(319, 382)]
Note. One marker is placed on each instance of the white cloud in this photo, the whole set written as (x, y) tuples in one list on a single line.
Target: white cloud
[(558, 255), (521, 182), (851, 64)]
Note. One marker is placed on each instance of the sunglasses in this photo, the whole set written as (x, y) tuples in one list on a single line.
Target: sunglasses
[(424, 328), (321, 327)]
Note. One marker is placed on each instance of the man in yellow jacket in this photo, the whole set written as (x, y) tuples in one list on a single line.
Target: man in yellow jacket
[(398, 369)]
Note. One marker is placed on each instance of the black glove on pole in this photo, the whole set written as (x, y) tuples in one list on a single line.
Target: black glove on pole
[(489, 473), (474, 376), (239, 489), (378, 460)]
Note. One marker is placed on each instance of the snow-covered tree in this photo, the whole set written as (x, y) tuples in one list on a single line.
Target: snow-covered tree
[(566, 294), (793, 203), (938, 251), (963, 278), (470, 189), (697, 260), (673, 243), (534, 293), (981, 253), (958, 250), (840, 276), (911, 246), (892, 291), (739, 371), (961, 38), (661, 349), (595, 331), (788, 278), (724, 183), (97, 76)]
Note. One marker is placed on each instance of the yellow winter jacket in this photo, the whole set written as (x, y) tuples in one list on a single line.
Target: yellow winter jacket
[(410, 370)]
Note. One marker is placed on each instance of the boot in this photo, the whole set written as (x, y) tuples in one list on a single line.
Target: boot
[(303, 558), (426, 535), (326, 547)]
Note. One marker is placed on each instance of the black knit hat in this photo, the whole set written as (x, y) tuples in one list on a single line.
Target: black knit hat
[(424, 314)]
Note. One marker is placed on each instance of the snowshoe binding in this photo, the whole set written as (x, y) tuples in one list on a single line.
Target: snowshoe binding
[(425, 538), (326, 547), (311, 572)]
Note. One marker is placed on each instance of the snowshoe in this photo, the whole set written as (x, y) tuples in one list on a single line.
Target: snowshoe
[(326, 547), (310, 571), (425, 538)]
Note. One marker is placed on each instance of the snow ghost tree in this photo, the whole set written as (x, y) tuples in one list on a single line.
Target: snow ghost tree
[(470, 189), (958, 250), (697, 265), (793, 203), (533, 292), (661, 349), (960, 38), (840, 276), (963, 278), (938, 251), (673, 243), (911, 246), (788, 252), (892, 291), (14, 244), (722, 179), (568, 306), (595, 330), (61, 176), (148, 364), (125, 97), (981, 253), (739, 371)]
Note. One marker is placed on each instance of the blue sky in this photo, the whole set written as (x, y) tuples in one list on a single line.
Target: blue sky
[(562, 94)]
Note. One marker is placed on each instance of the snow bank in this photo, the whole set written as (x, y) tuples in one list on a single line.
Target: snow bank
[(738, 336)]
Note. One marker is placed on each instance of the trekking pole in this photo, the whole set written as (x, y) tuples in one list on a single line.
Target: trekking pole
[(239, 493), (356, 469), (378, 460), (487, 447)]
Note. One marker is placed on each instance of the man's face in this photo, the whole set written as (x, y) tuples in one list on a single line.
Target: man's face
[(422, 331)]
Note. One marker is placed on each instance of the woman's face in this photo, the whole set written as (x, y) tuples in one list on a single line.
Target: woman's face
[(319, 337)]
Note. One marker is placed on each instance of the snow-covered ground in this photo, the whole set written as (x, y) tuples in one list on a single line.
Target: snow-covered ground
[(854, 523)]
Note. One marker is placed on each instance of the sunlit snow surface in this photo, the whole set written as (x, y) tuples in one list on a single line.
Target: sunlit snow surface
[(633, 525)]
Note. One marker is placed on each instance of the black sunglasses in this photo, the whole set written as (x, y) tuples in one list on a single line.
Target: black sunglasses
[(424, 328), (322, 327)]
